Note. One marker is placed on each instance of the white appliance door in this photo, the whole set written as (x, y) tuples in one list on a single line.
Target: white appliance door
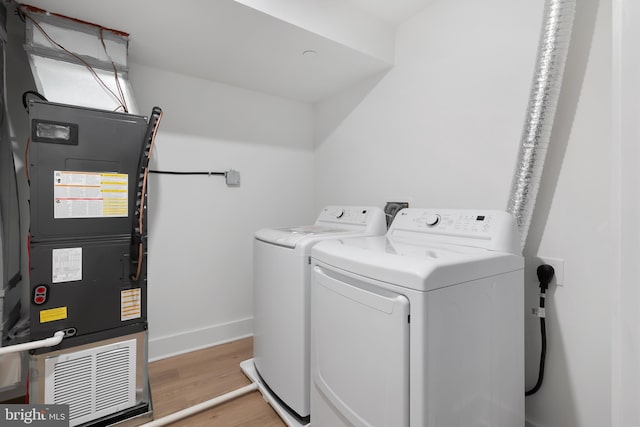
[(281, 323), (359, 352)]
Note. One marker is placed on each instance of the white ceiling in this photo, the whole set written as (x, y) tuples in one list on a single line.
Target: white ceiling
[(392, 11), (229, 42)]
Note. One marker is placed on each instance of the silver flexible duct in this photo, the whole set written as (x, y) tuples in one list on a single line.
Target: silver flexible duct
[(541, 110)]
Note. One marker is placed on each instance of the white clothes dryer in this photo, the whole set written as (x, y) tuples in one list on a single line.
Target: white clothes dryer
[(422, 327), (282, 275)]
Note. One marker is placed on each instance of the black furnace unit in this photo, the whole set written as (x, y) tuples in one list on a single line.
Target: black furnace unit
[(88, 273)]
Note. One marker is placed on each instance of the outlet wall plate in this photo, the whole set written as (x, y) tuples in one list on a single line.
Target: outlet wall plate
[(232, 177), (556, 263)]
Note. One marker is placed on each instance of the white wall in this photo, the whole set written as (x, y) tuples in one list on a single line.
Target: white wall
[(201, 231), (626, 319), (441, 129), (456, 96), (576, 220)]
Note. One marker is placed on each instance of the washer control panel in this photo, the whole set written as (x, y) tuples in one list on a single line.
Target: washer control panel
[(489, 229), (345, 215), (333, 220)]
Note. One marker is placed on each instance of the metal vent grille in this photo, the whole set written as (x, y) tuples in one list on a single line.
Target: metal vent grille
[(72, 381), (94, 382), (112, 378)]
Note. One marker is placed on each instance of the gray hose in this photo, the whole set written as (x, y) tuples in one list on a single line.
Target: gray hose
[(543, 100)]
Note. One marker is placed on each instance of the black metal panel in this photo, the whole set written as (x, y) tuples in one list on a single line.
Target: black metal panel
[(105, 142), (3, 22), (93, 303), (81, 340), (9, 211)]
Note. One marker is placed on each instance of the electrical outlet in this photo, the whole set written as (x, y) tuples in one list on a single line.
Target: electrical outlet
[(558, 267)]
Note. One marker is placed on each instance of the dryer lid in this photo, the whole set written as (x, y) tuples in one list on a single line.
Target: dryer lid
[(431, 248), (415, 266)]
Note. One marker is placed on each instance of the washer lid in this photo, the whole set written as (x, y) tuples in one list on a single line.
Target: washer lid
[(290, 236), (332, 221), (411, 264)]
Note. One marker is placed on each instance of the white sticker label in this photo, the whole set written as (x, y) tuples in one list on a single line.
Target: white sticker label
[(538, 312), (130, 304), (90, 194), (66, 265)]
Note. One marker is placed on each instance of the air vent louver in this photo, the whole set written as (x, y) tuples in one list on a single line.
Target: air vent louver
[(112, 378), (94, 382)]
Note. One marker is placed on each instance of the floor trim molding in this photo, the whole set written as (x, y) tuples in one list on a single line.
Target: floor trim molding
[(197, 339)]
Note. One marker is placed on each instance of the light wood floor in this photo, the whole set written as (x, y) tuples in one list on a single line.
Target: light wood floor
[(182, 381)]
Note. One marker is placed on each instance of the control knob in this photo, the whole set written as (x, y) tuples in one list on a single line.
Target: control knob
[(339, 213), (432, 220)]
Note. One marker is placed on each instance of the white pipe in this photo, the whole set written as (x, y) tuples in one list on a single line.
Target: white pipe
[(187, 412), (281, 413), (47, 342)]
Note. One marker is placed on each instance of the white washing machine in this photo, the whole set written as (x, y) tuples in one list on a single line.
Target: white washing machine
[(282, 275), (422, 327)]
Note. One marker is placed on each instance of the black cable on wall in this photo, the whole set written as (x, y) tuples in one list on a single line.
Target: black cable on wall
[(545, 273)]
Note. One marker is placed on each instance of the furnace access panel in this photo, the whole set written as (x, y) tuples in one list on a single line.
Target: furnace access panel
[(83, 168)]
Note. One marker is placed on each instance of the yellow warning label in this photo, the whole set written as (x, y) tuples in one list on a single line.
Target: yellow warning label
[(90, 194), (130, 304), (53, 314)]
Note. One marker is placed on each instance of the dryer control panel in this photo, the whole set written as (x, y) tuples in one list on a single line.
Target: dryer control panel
[(489, 229)]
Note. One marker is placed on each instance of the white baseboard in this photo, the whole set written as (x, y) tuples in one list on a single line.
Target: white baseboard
[(197, 339)]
